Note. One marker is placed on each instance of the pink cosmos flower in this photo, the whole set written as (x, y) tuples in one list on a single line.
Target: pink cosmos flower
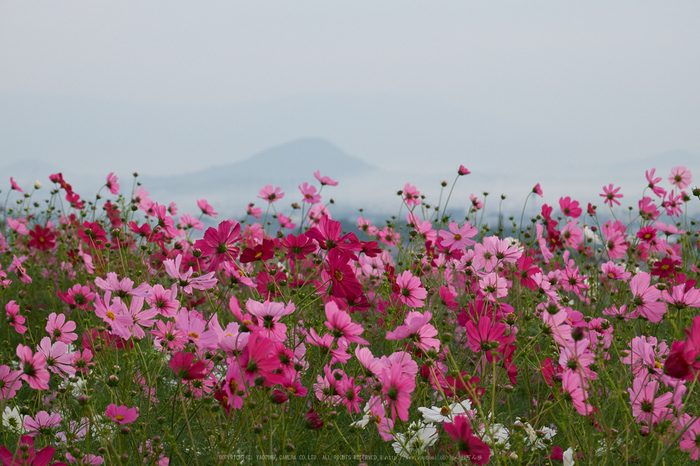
[(255, 212), (646, 407), (611, 195), (112, 184), (188, 221), (537, 190), (324, 180), (122, 288), (42, 423), (494, 287), (397, 388), (682, 296), (27, 455), (468, 444), (270, 194), (411, 291), (573, 389), (13, 317), (220, 244), (341, 325), (121, 414), (20, 270), (167, 335), (673, 204), (60, 329), (458, 236), (286, 222), (58, 360), (476, 203), (185, 280), (114, 314), (163, 300), (411, 195), (15, 186), (309, 193), (417, 329), (646, 298), (658, 190), (19, 225), (9, 382), (33, 367), (462, 170), (570, 208), (680, 177), (690, 441), (206, 208), (375, 413)]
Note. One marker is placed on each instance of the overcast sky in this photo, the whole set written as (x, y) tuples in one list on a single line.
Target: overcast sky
[(599, 79)]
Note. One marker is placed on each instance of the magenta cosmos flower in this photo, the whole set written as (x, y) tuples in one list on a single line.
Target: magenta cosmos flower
[(411, 291), (610, 194), (324, 180), (270, 194), (121, 414), (220, 244)]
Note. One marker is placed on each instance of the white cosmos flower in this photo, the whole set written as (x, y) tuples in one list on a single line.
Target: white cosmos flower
[(12, 419), (417, 438), (446, 413)]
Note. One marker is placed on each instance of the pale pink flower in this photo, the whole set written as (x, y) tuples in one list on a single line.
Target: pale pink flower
[(9, 382), (42, 423), (646, 407), (680, 177), (58, 360), (324, 180), (458, 236), (188, 221), (60, 329), (494, 287)]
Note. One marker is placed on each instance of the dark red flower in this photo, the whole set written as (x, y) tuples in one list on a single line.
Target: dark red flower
[(261, 252), (313, 420), (42, 238), (468, 445), (93, 235)]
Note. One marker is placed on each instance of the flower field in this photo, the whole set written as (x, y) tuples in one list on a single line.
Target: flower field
[(136, 334)]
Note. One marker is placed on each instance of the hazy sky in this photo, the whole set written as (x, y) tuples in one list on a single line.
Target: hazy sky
[(593, 79)]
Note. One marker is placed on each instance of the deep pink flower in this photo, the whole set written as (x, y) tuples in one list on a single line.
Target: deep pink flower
[(646, 407), (20, 270), (646, 298), (27, 455), (570, 208), (573, 389), (9, 382), (112, 184), (462, 170), (611, 195), (658, 190), (206, 208), (42, 238), (298, 247), (468, 445), (15, 186), (341, 325), (185, 367), (121, 414), (397, 388), (33, 367), (537, 190), (13, 317), (261, 252), (220, 244), (411, 291)]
